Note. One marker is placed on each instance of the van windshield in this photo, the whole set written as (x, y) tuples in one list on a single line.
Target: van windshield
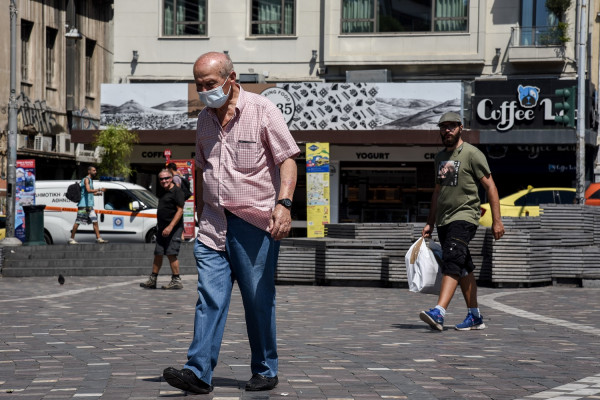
[(146, 197)]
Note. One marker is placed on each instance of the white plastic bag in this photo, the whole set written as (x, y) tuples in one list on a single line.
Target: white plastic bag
[(422, 268)]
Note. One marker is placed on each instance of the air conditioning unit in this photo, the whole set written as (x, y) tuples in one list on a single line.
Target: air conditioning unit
[(42, 143), (83, 155), (21, 141), (81, 151), (99, 152), (63, 143)]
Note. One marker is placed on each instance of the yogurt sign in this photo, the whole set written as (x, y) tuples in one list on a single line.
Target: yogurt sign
[(283, 100)]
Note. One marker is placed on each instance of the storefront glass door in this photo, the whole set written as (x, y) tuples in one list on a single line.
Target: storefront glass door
[(378, 194)]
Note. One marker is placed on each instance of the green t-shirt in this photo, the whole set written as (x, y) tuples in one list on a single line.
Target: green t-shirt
[(459, 172)]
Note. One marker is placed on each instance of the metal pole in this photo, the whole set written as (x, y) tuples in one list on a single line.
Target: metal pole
[(597, 119), (10, 239), (581, 64)]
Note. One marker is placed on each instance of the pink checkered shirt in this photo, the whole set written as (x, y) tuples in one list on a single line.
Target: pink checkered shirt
[(240, 165)]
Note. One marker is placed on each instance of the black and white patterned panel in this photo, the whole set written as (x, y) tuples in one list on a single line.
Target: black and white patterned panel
[(337, 106)]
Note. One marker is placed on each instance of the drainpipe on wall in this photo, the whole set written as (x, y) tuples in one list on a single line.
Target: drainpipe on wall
[(322, 69), (597, 111), (581, 64), (70, 63)]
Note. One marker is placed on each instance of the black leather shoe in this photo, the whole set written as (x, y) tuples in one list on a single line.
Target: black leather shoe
[(260, 382), (186, 380)]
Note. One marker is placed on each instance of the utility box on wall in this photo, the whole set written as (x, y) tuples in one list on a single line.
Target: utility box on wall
[(371, 75)]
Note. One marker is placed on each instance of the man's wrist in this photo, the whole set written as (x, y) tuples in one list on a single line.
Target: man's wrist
[(287, 203)]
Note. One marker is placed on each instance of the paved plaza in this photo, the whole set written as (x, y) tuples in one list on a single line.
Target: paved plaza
[(105, 337)]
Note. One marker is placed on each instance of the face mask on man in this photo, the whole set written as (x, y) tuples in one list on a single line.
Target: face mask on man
[(214, 98)]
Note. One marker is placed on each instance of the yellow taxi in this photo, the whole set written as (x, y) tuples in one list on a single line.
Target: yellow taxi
[(527, 202), (2, 226)]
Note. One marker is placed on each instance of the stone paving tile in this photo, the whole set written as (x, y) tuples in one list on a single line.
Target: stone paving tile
[(105, 337)]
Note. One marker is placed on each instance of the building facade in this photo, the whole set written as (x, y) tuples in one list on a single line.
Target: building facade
[(63, 54), (497, 63)]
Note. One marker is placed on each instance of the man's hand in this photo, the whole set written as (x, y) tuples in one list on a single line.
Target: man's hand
[(492, 192), (497, 229), (280, 223), (427, 231), (167, 231)]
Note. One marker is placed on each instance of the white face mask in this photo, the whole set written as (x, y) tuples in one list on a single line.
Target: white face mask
[(214, 98)]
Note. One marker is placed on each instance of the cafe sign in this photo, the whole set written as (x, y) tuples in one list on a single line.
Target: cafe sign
[(517, 104)]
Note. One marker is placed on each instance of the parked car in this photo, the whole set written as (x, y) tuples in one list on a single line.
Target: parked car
[(2, 226), (527, 202), (126, 212), (592, 194)]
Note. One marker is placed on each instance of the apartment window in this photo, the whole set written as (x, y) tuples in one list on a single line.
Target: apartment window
[(273, 17), (90, 46), (392, 16), (537, 24), (51, 34), (26, 28), (184, 17)]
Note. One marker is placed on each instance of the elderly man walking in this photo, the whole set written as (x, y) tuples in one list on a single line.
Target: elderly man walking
[(245, 180)]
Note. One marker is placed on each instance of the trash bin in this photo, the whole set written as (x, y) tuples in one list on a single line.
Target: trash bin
[(34, 225)]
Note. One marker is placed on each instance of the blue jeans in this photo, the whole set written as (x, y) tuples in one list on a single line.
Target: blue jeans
[(250, 258)]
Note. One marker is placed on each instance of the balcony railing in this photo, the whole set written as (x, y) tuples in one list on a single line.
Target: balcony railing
[(536, 44), (536, 36)]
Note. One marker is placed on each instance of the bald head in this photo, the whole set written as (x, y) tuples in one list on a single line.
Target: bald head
[(215, 62)]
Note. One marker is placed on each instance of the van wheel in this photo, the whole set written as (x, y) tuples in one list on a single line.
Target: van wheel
[(151, 236), (47, 237)]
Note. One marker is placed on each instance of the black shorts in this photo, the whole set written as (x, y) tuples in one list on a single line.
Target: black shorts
[(455, 238), (168, 246)]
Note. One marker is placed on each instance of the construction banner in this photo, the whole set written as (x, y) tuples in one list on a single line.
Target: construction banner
[(24, 194), (186, 171), (317, 188)]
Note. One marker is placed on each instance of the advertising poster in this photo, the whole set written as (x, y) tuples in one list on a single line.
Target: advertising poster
[(24, 194), (186, 169), (317, 188), (304, 105)]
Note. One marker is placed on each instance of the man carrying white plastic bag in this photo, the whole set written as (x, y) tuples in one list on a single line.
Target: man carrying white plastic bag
[(460, 168), (422, 266)]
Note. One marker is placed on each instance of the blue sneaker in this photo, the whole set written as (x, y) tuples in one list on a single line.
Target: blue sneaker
[(470, 323), (434, 318)]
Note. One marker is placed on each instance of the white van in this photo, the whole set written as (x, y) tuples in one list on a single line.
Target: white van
[(126, 213)]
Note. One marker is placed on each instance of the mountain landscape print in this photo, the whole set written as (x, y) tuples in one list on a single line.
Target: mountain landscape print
[(147, 106), (417, 105), (421, 114)]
